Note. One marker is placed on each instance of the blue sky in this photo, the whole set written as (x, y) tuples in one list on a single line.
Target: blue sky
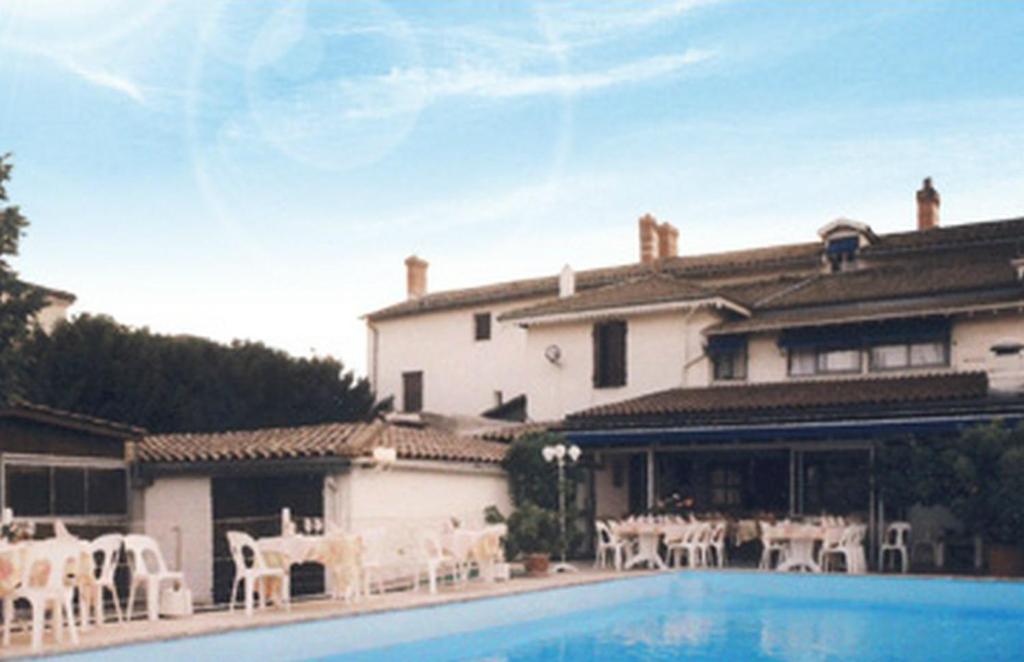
[(239, 169)]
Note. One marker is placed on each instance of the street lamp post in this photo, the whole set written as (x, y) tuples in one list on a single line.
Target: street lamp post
[(560, 454)]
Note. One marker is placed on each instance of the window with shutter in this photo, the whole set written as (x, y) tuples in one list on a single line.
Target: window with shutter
[(609, 354), (482, 326), (412, 391)]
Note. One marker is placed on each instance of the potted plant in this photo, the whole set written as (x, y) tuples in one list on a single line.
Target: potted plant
[(532, 534)]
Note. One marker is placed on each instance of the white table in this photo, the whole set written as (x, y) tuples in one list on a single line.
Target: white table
[(648, 539), (293, 549), (800, 541)]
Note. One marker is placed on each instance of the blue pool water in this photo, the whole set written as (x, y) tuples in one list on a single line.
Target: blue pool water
[(701, 616)]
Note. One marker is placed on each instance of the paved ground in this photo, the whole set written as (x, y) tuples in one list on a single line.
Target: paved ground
[(113, 634)]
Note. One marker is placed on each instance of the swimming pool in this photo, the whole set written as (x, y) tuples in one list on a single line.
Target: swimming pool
[(699, 615)]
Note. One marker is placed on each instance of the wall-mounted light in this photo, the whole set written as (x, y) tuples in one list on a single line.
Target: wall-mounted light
[(553, 353), (1007, 347)]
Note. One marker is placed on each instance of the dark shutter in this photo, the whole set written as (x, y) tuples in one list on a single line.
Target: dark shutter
[(412, 391), (609, 354), (482, 326)]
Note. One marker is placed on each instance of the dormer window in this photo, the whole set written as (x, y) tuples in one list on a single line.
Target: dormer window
[(843, 240), (842, 253)]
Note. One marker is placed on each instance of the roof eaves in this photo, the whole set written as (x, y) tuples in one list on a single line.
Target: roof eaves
[(828, 317), (627, 310)]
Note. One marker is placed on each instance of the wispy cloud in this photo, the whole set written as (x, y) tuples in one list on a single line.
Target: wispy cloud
[(582, 24), (105, 79), (411, 88)]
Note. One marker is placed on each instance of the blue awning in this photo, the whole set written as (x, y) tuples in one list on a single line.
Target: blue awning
[(876, 429), (726, 344), (851, 336)]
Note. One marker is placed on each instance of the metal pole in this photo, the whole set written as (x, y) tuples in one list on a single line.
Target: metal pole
[(650, 479), (561, 503)]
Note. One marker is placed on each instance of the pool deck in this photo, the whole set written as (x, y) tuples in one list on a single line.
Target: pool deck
[(220, 620)]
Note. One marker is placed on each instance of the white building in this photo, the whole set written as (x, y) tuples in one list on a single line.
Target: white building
[(801, 355), (190, 489)]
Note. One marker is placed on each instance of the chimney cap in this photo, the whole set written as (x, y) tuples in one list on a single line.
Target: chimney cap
[(415, 260), (928, 192)]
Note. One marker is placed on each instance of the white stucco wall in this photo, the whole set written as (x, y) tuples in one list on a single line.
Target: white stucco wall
[(417, 494), (54, 311), (973, 338), (178, 512), (460, 374), (657, 349)]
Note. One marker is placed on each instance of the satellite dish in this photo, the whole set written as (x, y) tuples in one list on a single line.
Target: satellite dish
[(553, 353)]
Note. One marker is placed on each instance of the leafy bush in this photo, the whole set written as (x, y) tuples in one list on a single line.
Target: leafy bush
[(978, 475), (533, 484), (532, 530), (534, 480)]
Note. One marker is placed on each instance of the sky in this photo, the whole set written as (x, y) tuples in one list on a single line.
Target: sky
[(260, 170)]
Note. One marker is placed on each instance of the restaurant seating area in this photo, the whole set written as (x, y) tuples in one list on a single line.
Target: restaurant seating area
[(809, 544), (64, 584)]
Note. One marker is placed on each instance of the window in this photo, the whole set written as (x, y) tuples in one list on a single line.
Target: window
[(65, 491), (730, 365), (803, 362), (412, 391), (910, 355), (842, 253), (482, 326), (728, 356), (609, 354), (842, 360), (811, 361), (726, 487)]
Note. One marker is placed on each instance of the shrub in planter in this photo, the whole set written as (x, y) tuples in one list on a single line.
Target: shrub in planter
[(532, 531), (988, 465), (533, 483), (979, 476)]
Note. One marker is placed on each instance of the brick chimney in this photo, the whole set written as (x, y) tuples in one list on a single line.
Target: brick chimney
[(668, 240), (648, 239), (415, 276), (927, 206)]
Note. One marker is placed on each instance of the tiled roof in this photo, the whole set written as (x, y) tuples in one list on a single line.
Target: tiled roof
[(768, 260), (751, 276), (23, 409), (700, 403), (511, 433), (917, 277), (652, 288), (866, 311), (428, 444), (327, 440), (53, 292)]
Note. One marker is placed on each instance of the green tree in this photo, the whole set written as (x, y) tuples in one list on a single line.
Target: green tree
[(19, 302), (94, 365)]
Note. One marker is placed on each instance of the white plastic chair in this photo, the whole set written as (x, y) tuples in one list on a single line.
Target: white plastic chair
[(773, 550), (108, 548), (253, 577), (148, 571), (850, 549), (716, 545), (437, 561), (896, 541), (831, 541), (45, 583), (931, 541), (689, 550), (608, 544)]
